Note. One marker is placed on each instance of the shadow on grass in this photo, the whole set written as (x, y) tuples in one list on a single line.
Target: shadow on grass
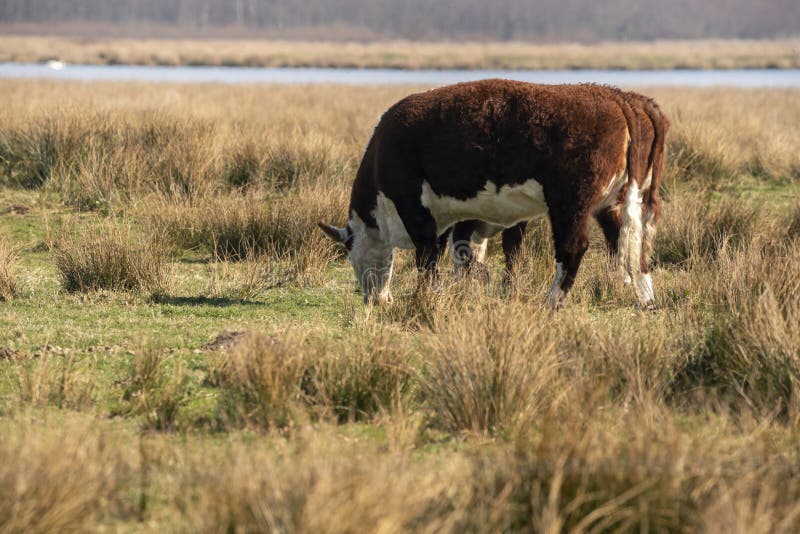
[(219, 302), (196, 261)]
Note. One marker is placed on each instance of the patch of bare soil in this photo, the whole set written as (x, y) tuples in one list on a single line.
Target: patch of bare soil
[(9, 354), (226, 340)]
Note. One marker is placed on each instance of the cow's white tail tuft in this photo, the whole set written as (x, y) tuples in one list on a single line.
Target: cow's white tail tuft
[(630, 235)]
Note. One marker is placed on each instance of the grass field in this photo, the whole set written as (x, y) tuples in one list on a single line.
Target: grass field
[(687, 54), (180, 349)]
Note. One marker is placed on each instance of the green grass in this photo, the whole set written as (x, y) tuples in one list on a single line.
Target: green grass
[(183, 320), (78, 353), (187, 317)]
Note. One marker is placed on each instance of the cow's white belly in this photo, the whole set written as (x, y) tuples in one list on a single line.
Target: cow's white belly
[(504, 207)]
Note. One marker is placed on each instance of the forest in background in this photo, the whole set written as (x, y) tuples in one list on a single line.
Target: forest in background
[(503, 20)]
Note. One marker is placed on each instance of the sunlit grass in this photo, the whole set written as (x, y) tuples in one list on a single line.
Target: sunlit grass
[(184, 350)]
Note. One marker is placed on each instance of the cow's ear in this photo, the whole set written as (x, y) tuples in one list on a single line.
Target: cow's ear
[(340, 235)]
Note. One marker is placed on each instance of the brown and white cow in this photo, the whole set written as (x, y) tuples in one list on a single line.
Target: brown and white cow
[(468, 239), (501, 152)]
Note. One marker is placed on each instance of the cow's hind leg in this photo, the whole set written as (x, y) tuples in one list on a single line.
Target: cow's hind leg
[(645, 286), (571, 240), (631, 253), (461, 251), (610, 221)]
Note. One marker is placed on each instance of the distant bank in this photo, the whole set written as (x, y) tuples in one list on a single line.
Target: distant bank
[(407, 55), (57, 70)]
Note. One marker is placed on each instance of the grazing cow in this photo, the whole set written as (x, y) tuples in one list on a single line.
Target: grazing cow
[(468, 239), (501, 152)]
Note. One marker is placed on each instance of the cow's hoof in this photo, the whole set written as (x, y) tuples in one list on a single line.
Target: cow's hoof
[(509, 284), (645, 306), (385, 299)]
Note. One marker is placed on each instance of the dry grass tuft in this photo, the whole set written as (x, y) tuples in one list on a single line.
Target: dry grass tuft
[(235, 227), (695, 228), (485, 369), (274, 381), (751, 354), (245, 280), (58, 476), (256, 272), (55, 380), (112, 259), (324, 485), (263, 380), (292, 160), (792, 223), (155, 390), (368, 372), (9, 285)]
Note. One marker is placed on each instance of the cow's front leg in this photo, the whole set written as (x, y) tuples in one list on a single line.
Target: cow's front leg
[(571, 240), (512, 242), (421, 228), (427, 260)]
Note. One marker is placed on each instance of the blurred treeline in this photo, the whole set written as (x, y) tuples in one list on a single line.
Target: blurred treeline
[(540, 20)]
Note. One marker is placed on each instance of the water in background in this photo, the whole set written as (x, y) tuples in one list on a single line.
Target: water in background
[(688, 78)]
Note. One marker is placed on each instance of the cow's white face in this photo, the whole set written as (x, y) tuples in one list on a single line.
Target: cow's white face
[(370, 256)]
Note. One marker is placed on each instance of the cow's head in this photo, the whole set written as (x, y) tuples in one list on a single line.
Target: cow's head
[(369, 255)]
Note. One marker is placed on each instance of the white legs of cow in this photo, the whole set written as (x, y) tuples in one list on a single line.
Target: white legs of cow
[(631, 243), (628, 232)]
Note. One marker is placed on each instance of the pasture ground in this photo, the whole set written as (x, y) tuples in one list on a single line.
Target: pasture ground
[(138, 223)]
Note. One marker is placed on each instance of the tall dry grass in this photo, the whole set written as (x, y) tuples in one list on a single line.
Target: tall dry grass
[(235, 226), (602, 468), (492, 363), (263, 381), (686, 238), (726, 133), (60, 475), (185, 142), (468, 409), (278, 381), (365, 374), (485, 369), (632, 472), (676, 419), (245, 171), (111, 257), (154, 390)]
